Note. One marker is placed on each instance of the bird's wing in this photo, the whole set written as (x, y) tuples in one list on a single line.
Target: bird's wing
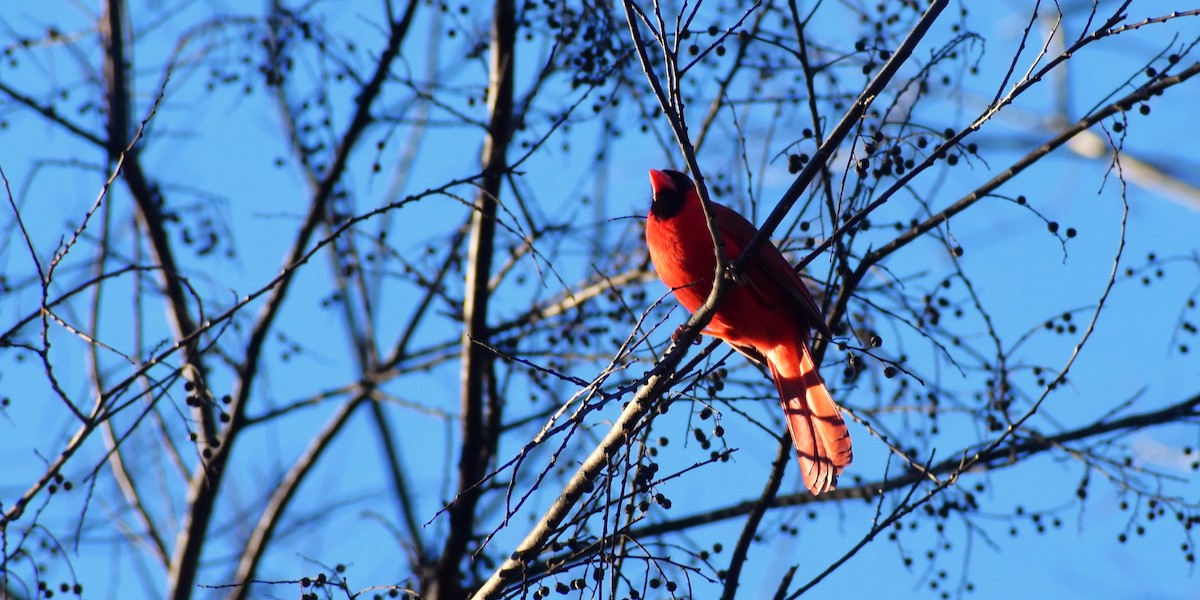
[(768, 260)]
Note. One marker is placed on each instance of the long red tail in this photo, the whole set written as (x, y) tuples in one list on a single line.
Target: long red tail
[(814, 420)]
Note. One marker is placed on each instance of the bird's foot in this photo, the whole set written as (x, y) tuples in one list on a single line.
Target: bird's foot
[(679, 332), (735, 275)]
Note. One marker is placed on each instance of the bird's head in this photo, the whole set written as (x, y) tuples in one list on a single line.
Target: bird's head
[(670, 192)]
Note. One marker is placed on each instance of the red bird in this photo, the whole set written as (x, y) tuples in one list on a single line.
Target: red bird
[(766, 315)]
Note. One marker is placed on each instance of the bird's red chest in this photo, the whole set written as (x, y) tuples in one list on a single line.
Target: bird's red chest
[(682, 251)]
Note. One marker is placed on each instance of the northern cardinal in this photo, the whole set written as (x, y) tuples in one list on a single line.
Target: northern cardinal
[(767, 315)]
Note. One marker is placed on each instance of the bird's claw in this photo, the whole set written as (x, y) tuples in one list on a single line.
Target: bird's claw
[(734, 275), (679, 332)]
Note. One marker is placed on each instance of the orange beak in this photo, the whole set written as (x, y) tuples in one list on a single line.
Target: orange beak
[(660, 181)]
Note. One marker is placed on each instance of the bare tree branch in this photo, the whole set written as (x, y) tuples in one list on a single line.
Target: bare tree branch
[(481, 404)]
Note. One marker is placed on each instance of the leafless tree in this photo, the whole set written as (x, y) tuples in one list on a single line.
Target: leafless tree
[(392, 331)]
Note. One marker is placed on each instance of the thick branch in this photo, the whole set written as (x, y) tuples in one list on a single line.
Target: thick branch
[(205, 485), (120, 146), (479, 410)]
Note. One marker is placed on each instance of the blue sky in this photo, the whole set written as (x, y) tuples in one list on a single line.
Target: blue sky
[(226, 145)]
